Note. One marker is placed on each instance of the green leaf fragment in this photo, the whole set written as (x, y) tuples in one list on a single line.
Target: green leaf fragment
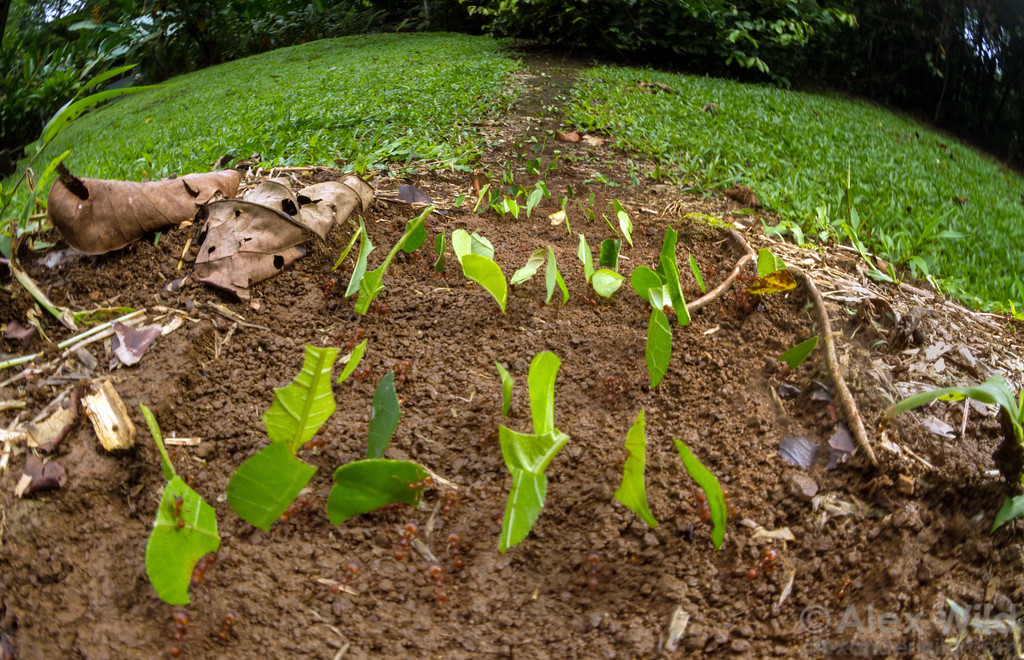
[(266, 484), (178, 541), (995, 390), (610, 254), (643, 280), (552, 277), (541, 380), (362, 486), (529, 451), (385, 412), (487, 274), (300, 408), (525, 502), (712, 490), (795, 356), (586, 258), (154, 430), (1012, 508), (533, 264), (768, 263), (633, 491), (439, 245), (365, 248), (348, 248), (607, 282), (351, 361), (506, 388), (659, 346), (464, 243), (695, 269), (625, 224)]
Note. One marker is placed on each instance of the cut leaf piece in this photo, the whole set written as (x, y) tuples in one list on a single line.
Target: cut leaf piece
[(384, 415), (373, 282), (610, 254), (352, 361), (586, 258), (1012, 508), (643, 280), (606, 282), (553, 277), (633, 491), (365, 248), (777, 282), (463, 243), (712, 490), (533, 264), (695, 269), (301, 407), (266, 484), (795, 356), (527, 451), (439, 245), (506, 389), (768, 263), (525, 502), (362, 486), (659, 346), (487, 274), (541, 382), (625, 224), (179, 540)]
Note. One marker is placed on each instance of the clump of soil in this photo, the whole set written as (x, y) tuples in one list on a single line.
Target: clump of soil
[(897, 540)]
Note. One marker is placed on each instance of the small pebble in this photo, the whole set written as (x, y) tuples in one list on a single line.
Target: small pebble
[(802, 486)]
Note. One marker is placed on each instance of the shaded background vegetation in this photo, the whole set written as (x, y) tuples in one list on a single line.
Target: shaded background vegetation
[(959, 63)]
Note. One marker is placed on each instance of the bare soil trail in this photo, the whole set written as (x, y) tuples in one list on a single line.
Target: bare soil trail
[(885, 546)]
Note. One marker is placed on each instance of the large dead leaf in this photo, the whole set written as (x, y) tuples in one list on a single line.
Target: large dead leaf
[(248, 240), (324, 204), (100, 215)]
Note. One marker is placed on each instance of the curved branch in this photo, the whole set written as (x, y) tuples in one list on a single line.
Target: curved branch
[(719, 290), (846, 402)]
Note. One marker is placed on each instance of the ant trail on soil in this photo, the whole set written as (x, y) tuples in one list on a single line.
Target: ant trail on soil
[(765, 565)]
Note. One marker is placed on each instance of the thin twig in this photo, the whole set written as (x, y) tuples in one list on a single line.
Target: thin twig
[(719, 290), (81, 336), (846, 402)]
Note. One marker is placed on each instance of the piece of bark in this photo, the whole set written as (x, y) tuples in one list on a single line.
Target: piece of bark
[(100, 215), (109, 417)]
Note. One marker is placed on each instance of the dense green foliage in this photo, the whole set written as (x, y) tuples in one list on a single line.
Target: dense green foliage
[(365, 100), (52, 46), (911, 191), (770, 36)]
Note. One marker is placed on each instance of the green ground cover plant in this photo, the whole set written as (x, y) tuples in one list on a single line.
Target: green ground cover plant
[(821, 162), (305, 105)]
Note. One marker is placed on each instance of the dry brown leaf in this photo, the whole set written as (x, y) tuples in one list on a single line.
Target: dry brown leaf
[(568, 137), (99, 215), (249, 240)]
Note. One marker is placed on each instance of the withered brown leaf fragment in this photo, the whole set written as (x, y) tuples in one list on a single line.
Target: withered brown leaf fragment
[(248, 240), (45, 476), (100, 215)]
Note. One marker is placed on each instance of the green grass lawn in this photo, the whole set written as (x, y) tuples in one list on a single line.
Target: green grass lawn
[(916, 197), (367, 100)]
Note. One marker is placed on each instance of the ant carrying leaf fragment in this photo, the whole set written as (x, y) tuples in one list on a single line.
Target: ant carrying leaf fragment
[(185, 529)]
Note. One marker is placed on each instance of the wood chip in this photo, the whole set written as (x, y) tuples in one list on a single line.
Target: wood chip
[(109, 417)]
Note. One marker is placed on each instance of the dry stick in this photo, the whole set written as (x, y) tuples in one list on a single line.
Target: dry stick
[(846, 402), (719, 290)]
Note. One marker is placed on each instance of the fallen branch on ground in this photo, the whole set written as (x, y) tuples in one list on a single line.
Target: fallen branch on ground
[(720, 290), (846, 402)]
